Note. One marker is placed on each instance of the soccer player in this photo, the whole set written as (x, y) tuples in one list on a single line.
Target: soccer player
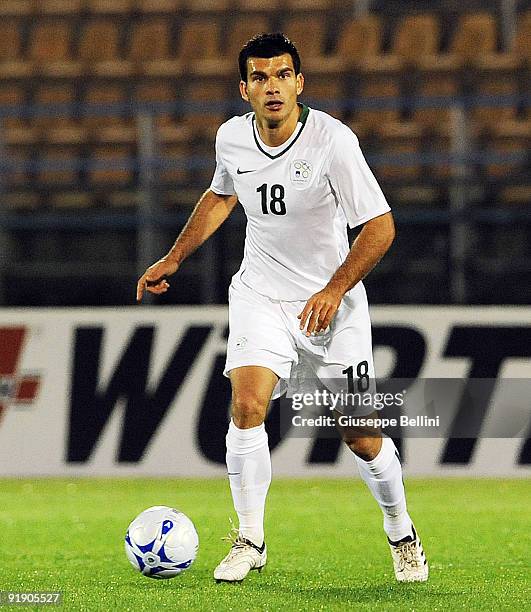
[(297, 301)]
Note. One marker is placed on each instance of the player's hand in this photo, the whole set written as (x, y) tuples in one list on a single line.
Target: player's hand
[(319, 310), (154, 278)]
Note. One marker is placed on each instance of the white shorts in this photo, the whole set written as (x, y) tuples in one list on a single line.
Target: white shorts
[(265, 332)]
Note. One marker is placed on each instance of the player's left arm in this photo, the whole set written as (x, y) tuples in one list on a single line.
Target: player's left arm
[(370, 246)]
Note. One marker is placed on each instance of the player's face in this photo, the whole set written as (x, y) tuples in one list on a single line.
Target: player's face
[(272, 88)]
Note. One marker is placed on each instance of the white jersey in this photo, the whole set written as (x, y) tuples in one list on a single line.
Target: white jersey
[(298, 199)]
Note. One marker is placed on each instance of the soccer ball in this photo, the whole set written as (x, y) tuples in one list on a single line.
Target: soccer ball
[(161, 542)]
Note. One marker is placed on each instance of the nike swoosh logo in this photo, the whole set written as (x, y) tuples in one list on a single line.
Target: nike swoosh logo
[(233, 473), (238, 171)]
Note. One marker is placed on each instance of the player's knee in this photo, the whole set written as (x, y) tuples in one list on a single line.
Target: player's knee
[(248, 410), (366, 448)]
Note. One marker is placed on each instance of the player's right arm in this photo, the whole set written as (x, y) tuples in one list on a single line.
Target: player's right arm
[(209, 213)]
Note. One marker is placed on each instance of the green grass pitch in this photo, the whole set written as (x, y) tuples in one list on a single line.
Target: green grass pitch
[(327, 550)]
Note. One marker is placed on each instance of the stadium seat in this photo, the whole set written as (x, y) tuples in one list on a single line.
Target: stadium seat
[(49, 48), (168, 68), (150, 41), (512, 149), (435, 116), (157, 96), (58, 7), (108, 166), (199, 47), (198, 51), (241, 30), (58, 165), (12, 64), (104, 106), (207, 107), (442, 166), (199, 6), (251, 6), (16, 8), (70, 134), (202, 160), (308, 34), (21, 135), (17, 174), (497, 101), (399, 148), (207, 110), (475, 36), (21, 199), (523, 36), (12, 98), (50, 40), (416, 36), (98, 51), (56, 102), (157, 6), (516, 194), (124, 132), (513, 137), (311, 5), (175, 157), (116, 7), (519, 55), (358, 38), (376, 98), (324, 94), (70, 198), (175, 132)]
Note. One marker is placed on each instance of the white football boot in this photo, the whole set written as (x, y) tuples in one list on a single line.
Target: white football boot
[(243, 557), (409, 559)]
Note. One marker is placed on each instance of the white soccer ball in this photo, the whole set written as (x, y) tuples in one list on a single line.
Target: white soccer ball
[(161, 542)]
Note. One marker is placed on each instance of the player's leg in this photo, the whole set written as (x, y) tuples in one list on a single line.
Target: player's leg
[(248, 457), (379, 466), (259, 352), (377, 458), (382, 472), (249, 470)]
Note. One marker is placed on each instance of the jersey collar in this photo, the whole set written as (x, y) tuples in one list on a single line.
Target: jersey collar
[(302, 120)]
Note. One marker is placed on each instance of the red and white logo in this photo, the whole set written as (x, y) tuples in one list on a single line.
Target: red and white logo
[(16, 388)]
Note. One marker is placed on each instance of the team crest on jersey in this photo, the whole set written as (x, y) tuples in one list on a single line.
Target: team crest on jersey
[(240, 343), (300, 172)]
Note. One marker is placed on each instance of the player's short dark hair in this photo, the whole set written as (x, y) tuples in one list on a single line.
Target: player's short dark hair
[(268, 45)]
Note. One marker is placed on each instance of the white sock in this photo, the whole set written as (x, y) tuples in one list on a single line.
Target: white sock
[(249, 468), (383, 476)]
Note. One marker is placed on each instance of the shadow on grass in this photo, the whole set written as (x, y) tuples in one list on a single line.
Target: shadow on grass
[(380, 593), (290, 589)]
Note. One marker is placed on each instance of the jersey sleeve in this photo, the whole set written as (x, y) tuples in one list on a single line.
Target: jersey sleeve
[(221, 182), (352, 181)]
